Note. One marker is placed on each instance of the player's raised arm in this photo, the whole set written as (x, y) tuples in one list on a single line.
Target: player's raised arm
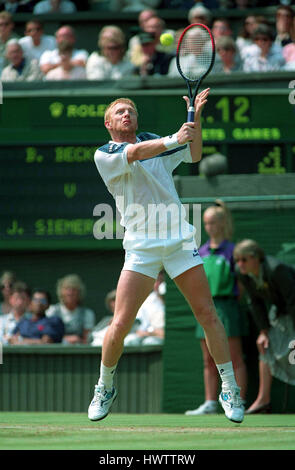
[(154, 147), (196, 145)]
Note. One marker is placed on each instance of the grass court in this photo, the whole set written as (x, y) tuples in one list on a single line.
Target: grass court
[(73, 431)]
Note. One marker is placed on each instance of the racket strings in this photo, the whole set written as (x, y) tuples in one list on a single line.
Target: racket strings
[(195, 53)]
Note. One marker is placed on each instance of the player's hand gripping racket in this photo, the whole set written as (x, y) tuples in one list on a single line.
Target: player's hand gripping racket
[(195, 58)]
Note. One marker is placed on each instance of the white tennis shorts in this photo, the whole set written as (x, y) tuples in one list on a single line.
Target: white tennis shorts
[(175, 256)]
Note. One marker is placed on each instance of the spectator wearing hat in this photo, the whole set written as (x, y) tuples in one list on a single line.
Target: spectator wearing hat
[(150, 22), (19, 69), (265, 55), (150, 61), (110, 62)]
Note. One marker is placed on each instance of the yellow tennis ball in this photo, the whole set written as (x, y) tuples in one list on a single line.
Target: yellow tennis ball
[(166, 39)]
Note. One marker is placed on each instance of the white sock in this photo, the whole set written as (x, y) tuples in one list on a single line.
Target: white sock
[(227, 375), (106, 376)]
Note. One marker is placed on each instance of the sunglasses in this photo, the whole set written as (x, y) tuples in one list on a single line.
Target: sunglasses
[(264, 39), (112, 48), (31, 30), (40, 301)]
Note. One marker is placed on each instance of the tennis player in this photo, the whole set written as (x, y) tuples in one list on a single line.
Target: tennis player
[(137, 170)]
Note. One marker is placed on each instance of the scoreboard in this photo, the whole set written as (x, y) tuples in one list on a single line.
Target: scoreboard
[(49, 185)]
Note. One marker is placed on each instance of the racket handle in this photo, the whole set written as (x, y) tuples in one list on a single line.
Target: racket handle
[(191, 114)]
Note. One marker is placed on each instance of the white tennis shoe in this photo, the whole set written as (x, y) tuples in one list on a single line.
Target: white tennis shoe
[(101, 403), (232, 404), (204, 409)]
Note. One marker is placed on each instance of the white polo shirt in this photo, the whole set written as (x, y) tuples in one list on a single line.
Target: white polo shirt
[(145, 193)]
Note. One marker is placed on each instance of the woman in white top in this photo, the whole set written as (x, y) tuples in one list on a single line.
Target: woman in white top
[(111, 62)]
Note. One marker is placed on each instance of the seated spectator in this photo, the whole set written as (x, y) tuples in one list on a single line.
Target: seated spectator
[(227, 51), (51, 59), (78, 320), (221, 27), (187, 4), (112, 62), (6, 34), (149, 61), (242, 4), (199, 14), (266, 56), (38, 329), (289, 56), (35, 42), (54, 6), (6, 281), (66, 70), (157, 26), (133, 5), (149, 324), (151, 317), (245, 35), (19, 69), (19, 300), (190, 61), (284, 25), (18, 6)]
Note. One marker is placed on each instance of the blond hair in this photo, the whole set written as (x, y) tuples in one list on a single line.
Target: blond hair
[(223, 213), (5, 15), (73, 281), (113, 103), (112, 34), (249, 247)]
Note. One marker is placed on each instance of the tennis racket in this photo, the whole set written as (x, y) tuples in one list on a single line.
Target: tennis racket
[(195, 57)]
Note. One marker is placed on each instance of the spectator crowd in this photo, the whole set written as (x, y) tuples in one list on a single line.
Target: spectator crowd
[(261, 45), (28, 316)]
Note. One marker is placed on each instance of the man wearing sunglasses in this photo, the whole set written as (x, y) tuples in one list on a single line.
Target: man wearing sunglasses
[(38, 329)]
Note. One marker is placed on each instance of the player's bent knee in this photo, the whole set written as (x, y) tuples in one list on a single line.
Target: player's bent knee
[(119, 329)]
